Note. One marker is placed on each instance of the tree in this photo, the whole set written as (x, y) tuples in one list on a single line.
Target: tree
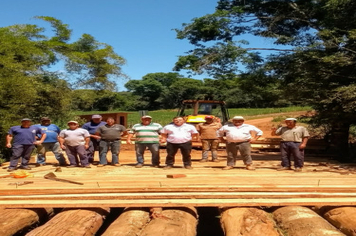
[(164, 90), (166, 79), (29, 89), (183, 89), (148, 89), (97, 60), (319, 61)]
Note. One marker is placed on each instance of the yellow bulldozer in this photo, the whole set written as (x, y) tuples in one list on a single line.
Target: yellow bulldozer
[(194, 111)]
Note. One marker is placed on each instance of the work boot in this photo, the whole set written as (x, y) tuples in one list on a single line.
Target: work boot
[(167, 167), (216, 160), (203, 160), (117, 164), (11, 169), (100, 165), (298, 169), (188, 167), (139, 165)]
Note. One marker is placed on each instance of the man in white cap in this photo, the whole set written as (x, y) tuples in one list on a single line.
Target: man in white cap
[(91, 127), (147, 136), (75, 141), (293, 142), (238, 138)]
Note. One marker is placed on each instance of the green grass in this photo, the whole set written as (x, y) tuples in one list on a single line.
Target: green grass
[(165, 116)]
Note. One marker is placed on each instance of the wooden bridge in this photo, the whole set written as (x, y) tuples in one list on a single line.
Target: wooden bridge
[(322, 182)]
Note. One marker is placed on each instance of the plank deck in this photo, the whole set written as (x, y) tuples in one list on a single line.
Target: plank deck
[(322, 182)]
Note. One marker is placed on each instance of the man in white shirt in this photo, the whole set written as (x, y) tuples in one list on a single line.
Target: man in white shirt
[(238, 138), (75, 141), (178, 135)]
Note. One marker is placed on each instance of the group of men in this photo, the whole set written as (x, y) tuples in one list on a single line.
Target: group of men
[(80, 143)]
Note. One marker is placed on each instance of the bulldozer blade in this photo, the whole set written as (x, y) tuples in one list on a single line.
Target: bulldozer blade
[(52, 176)]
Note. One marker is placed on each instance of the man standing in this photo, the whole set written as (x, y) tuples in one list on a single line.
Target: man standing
[(110, 135), (147, 136), (24, 136), (238, 138), (91, 127), (294, 140), (75, 141), (208, 137), (50, 143), (178, 135)]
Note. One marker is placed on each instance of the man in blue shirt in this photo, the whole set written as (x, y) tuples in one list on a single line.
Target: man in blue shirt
[(24, 140), (50, 143), (92, 126)]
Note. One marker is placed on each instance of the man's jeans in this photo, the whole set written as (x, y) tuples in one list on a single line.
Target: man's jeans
[(93, 146), (115, 150), (185, 149), (245, 151), (292, 148), (23, 151), (154, 149), (73, 152), (212, 145), (55, 148)]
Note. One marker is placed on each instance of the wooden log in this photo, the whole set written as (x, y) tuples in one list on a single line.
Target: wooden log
[(301, 221), (73, 222), (342, 218), (18, 221), (129, 223), (248, 222), (172, 222)]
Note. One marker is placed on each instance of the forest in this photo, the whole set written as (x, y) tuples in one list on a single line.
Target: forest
[(316, 68)]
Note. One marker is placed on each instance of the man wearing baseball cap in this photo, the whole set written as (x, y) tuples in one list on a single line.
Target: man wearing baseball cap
[(293, 142), (91, 127), (147, 136), (50, 143), (209, 138), (24, 140), (75, 141), (239, 137)]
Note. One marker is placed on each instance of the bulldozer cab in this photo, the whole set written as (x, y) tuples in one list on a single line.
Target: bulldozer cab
[(194, 111)]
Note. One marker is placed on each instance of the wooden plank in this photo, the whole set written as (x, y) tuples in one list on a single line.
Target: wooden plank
[(180, 195), (181, 202), (282, 189)]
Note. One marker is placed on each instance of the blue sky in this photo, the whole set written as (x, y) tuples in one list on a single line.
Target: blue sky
[(139, 30)]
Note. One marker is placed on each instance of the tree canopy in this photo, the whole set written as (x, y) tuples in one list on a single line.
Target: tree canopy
[(316, 65), (29, 88)]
